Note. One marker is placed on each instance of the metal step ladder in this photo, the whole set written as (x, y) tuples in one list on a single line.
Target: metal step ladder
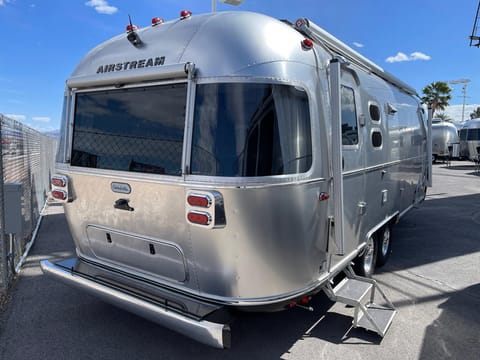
[(359, 292)]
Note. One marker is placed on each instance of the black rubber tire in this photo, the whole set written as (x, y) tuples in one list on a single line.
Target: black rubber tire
[(365, 263), (384, 244)]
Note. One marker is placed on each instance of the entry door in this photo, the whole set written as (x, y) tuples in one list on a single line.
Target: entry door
[(353, 161)]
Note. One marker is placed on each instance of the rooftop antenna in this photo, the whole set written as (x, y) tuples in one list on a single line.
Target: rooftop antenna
[(132, 36)]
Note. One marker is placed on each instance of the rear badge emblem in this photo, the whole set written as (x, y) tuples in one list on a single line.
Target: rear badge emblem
[(121, 188)]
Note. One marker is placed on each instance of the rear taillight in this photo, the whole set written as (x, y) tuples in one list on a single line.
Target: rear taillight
[(59, 194), (203, 201), (199, 218), (59, 187), (205, 208), (60, 181)]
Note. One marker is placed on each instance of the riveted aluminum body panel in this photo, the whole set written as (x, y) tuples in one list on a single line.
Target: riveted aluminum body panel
[(273, 243)]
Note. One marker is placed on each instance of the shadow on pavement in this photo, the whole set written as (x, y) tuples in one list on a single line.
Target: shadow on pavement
[(455, 334)]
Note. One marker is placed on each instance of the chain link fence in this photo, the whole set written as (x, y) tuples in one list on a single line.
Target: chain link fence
[(26, 164)]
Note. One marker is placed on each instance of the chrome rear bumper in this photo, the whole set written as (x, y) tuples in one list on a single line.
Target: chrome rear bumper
[(210, 333)]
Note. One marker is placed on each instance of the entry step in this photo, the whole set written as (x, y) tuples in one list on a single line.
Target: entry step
[(360, 293), (352, 291), (382, 318)]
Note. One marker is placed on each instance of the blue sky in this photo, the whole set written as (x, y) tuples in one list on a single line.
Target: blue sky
[(419, 41)]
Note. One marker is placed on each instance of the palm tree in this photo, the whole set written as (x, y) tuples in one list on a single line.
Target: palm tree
[(475, 114), (444, 117), (437, 95)]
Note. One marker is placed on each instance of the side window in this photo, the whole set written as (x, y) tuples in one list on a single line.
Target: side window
[(374, 111), (376, 139), (349, 117)]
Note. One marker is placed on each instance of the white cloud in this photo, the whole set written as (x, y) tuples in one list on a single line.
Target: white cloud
[(419, 56), (397, 58), (44, 119), (101, 6), (16, 117), (357, 44), (400, 57)]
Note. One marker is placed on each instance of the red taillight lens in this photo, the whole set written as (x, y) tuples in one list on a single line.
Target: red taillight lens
[(199, 200), (157, 21), (59, 194), (59, 181), (199, 218), (185, 14)]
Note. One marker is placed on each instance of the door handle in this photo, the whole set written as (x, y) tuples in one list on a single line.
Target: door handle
[(122, 204)]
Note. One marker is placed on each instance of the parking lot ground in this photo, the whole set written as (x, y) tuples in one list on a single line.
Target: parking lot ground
[(432, 277)]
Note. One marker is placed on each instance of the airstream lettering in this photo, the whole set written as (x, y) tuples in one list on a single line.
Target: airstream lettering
[(258, 162)]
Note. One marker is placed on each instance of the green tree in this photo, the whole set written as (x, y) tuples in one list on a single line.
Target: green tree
[(444, 117), (475, 114), (437, 95)]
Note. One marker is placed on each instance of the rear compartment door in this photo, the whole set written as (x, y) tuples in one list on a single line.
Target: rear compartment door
[(127, 201)]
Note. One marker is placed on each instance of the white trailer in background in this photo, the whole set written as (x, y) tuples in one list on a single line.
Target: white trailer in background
[(234, 161)]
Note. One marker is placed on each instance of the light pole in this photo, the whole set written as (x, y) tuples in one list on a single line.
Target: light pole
[(464, 92), (230, 2)]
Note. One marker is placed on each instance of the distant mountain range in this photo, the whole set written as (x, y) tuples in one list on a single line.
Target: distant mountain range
[(455, 112), (53, 133)]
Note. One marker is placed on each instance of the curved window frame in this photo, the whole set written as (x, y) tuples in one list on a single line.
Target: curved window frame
[(372, 104), (252, 180)]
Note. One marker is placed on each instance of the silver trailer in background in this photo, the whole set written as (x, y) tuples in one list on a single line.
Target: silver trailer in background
[(234, 161), (470, 140), (445, 140)]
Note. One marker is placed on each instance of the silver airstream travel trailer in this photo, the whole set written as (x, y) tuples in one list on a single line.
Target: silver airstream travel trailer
[(234, 161), (470, 139), (444, 139)]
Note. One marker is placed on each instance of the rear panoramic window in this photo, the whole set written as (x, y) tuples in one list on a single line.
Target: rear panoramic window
[(136, 129), (473, 134), (247, 129)]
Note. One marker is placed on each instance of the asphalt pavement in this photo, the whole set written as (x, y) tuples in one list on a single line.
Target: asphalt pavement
[(432, 277)]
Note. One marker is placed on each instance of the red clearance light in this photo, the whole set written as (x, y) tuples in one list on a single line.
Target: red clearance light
[(307, 44), (59, 181), (184, 14), (59, 194), (199, 218), (323, 196), (157, 21), (199, 200), (131, 28)]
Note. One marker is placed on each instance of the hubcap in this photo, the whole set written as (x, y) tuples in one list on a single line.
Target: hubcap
[(385, 241), (369, 252)]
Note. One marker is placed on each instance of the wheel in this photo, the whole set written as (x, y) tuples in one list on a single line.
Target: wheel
[(384, 245), (365, 263)]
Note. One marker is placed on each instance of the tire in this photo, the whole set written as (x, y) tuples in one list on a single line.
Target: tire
[(384, 244), (365, 263)]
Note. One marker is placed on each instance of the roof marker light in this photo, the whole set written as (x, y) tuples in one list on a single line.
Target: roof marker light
[(307, 44), (131, 28), (157, 21), (185, 14)]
